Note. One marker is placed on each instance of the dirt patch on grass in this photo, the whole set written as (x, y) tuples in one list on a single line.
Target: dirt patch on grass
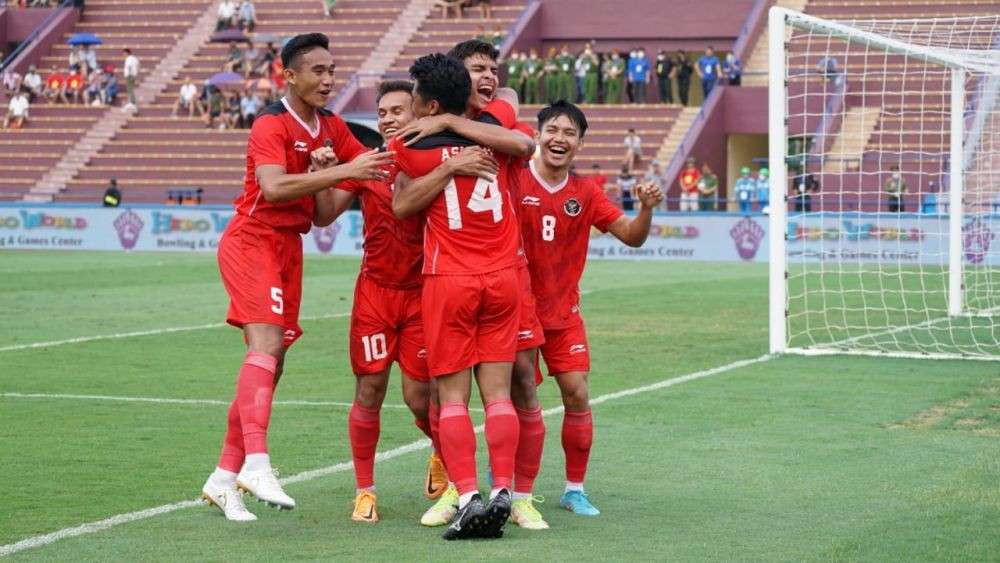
[(978, 412)]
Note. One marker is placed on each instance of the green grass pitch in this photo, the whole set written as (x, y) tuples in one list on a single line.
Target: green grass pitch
[(788, 459)]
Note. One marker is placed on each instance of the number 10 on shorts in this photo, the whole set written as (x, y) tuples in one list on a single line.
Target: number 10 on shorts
[(375, 347)]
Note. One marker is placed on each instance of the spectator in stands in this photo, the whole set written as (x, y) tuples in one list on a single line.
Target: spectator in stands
[(745, 188), (11, 82), (234, 59), (590, 67), (33, 83), (550, 74), (481, 34), (639, 75), (226, 15), (250, 55), (684, 71), (110, 90), (597, 176), (328, 6), (249, 106), (533, 69), (73, 89), (277, 76), (664, 76), (112, 195), (829, 68), (76, 60), (805, 185), (764, 190), (708, 189), (248, 16), (447, 5), (633, 150), (485, 8), (232, 111), (54, 85), (709, 70), (732, 70), (689, 178), (626, 183), (17, 111), (655, 176), (215, 104), (614, 77), (497, 37), (130, 70), (90, 58), (95, 84), (261, 66), (187, 99), (895, 187), (929, 199)]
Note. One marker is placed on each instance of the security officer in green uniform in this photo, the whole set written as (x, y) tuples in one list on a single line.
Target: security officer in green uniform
[(533, 69), (550, 73), (567, 89), (515, 73), (614, 78), (591, 68)]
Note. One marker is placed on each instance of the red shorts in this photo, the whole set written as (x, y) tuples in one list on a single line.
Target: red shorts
[(261, 268), (387, 326), (529, 331), (566, 349), (470, 319)]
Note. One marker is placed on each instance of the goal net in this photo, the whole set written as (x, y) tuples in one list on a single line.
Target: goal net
[(890, 134)]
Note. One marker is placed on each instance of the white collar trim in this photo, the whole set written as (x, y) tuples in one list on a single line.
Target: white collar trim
[(313, 132), (549, 188)]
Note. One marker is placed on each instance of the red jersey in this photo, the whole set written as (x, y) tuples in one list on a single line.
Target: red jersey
[(394, 252), (280, 137), (555, 226), (470, 226), (689, 179)]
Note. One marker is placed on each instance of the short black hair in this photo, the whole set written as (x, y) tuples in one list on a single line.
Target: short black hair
[(390, 86), (302, 44), (466, 49), (442, 78), (562, 107)]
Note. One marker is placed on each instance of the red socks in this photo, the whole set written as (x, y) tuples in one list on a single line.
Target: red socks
[(254, 392), (232, 455), (501, 437), (529, 449), (434, 416), (363, 427), (577, 437), (458, 444)]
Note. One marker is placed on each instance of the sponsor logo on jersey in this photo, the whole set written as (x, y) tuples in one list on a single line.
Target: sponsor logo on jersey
[(128, 225), (422, 353), (572, 207), (577, 349), (301, 146), (525, 335), (747, 236), (529, 200)]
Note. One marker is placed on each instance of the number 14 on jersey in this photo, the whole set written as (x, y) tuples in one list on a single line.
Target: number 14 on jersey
[(486, 196)]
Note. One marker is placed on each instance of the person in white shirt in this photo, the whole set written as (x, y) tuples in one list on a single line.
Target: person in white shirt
[(130, 71), (17, 111), (633, 150), (187, 99), (227, 15), (33, 82)]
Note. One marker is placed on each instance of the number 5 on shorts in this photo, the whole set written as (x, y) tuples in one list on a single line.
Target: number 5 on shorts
[(279, 303)]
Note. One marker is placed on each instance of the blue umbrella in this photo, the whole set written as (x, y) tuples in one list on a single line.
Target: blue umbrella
[(84, 39), (227, 80)]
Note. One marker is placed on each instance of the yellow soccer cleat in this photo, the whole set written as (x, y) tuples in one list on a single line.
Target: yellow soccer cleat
[(437, 478), (364, 508), (524, 514), (443, 510)]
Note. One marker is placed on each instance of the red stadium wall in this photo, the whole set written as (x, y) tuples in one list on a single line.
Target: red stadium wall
[(18, 24)]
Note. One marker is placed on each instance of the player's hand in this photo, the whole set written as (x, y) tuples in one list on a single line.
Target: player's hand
[(322, 158), (423, 127), (474, 161), (649, 195), (372, 165)]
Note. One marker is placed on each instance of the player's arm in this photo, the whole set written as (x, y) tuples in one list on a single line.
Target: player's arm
[(276, 185), (413, 195), (634, 231), (496, 137), (330, 204)]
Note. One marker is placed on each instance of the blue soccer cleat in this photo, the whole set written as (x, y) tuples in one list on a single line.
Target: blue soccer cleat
[(578, 503)]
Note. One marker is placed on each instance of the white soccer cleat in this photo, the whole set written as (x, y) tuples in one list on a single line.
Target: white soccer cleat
[(264, 485), (228, 500)]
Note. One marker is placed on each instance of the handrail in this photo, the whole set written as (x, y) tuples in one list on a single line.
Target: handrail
[(832, 107), (518, 28), (34, 34)]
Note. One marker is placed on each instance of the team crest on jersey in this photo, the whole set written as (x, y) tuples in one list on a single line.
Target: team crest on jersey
[(301, 146), (572, 207)]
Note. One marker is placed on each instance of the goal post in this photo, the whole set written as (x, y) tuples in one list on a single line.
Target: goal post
[(888, 241)]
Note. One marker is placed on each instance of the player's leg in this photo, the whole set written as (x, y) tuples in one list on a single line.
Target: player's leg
[(458, 443), (442, 511), (363, 429)]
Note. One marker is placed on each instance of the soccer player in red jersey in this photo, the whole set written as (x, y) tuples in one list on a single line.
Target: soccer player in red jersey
[(556, 212), (470, 296), (260, 257)]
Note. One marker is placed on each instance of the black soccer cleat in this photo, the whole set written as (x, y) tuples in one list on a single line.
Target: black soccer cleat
[(497, 513), (468, 522)]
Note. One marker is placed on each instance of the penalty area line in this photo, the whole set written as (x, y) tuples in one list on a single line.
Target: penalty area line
[(117, 520), (172, 401)]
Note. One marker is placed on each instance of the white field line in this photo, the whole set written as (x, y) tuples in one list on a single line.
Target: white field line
[(166, 400), (151, 332), (100, 525)]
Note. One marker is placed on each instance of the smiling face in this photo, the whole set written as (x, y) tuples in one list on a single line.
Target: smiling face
[(395, 111), (484, 74), (311, 77), (559, 140)]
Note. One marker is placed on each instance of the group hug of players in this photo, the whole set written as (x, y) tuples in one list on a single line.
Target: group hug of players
[(475, 239)]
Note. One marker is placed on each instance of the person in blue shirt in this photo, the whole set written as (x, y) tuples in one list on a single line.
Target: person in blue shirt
[(746, 187), (764, 190), (709, 70), (638, 75), (732, 69)]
